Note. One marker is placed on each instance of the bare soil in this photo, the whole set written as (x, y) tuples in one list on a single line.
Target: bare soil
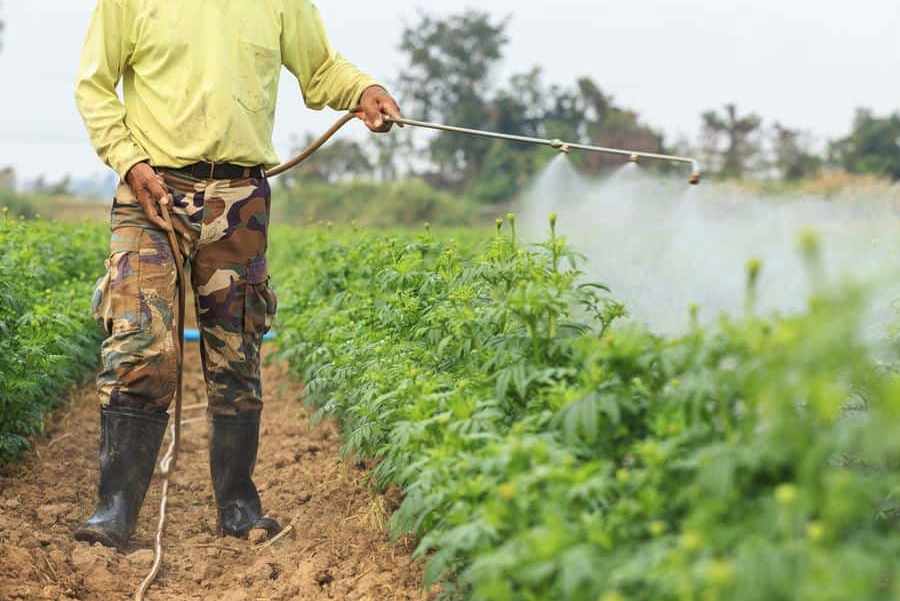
[(337, 550)]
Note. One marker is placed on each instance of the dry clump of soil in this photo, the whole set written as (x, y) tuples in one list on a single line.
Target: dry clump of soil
[(338, 548)]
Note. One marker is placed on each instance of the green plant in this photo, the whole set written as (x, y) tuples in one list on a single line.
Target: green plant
[(545, 454), (401, 204), (47, 338)]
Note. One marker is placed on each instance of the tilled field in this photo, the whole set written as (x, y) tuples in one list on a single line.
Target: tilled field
[(338, 548)]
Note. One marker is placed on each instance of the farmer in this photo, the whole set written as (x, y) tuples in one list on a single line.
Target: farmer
[(200, 79)]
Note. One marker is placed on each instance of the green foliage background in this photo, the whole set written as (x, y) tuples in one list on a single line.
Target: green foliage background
[(406, 202), (873, 147), (546, 453), (47, 339), (20, 205)]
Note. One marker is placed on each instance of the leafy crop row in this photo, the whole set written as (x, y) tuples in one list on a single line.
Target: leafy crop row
[(548, 452), (47, 338)]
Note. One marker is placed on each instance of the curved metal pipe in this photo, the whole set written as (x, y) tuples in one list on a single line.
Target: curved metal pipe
[(308, 152)]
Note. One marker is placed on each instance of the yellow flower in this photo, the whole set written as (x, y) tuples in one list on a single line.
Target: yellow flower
[(815, 531), (809, 242), (694, 310), (507, 492), (657, 528), (754, 267), (786, 494), (690, 541), (720, 572)]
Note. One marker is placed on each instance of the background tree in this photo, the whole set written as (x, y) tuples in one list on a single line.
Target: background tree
[(873, 147), (621, 128), (519, 107), (793, 156), (566, 116), (58, 188), (339, 160), (740, 146), (584, 113), (448, 78), (388, 152)]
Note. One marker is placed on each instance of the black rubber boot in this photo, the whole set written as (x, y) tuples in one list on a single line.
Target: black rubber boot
[(129, 444), (233, 443)]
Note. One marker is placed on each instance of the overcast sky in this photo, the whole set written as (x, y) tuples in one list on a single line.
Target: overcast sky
[(806, 63)]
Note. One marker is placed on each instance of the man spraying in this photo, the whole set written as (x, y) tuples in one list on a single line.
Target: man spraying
[(200, 79)]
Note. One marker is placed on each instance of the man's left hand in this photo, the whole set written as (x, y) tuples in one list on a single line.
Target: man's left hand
[(375, 104)]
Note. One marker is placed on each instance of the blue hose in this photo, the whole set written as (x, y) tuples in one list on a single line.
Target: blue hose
[(194, 336)]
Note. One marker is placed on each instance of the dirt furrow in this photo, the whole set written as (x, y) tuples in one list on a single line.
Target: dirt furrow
[(338, 549)]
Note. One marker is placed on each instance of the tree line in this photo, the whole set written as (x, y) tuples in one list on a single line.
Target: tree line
[(449, 76), (737, 146)]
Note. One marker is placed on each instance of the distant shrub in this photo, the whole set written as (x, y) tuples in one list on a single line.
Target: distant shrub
[(18, 204), (407, 202)]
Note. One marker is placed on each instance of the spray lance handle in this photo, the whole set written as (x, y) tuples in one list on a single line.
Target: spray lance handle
[(559, 145), (360, 114)]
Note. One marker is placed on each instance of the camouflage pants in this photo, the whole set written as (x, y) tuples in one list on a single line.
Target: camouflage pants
[(222, 228)]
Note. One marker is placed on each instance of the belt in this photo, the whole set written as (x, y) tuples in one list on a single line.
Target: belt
[(221, 171)]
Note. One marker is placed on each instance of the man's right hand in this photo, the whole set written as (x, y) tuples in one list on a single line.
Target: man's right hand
[(150, 190)]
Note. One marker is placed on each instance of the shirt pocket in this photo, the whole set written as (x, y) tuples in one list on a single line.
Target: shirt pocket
[(257, 82)]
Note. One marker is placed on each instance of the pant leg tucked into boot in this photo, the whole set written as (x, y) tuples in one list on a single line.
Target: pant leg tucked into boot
[(233, 445), (129, 444)]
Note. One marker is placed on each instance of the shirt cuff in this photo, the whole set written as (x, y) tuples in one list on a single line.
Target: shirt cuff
[(366, 83), (123, 162)]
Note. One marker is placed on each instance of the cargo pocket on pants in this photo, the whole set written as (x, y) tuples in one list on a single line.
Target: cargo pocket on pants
[(116, 304), (140, 277), (260, 302)]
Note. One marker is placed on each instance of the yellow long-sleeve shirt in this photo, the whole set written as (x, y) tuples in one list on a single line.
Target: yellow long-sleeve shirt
[(200, 78)]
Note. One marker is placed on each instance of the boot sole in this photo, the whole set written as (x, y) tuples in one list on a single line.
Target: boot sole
[(272, 527), (87, 535)]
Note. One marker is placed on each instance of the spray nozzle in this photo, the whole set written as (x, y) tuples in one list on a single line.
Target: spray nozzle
[(560, 146)]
